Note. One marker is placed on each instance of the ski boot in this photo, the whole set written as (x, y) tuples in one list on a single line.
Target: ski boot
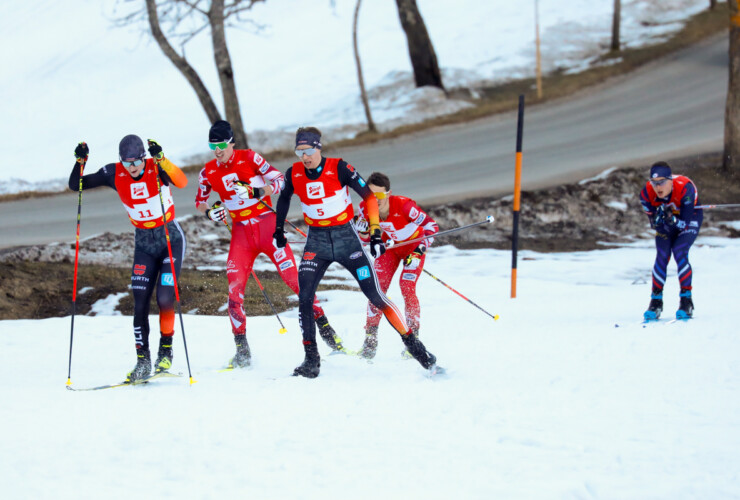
[(655, 307), (143, 367), (243, 357), (311, 364), (686, 307), (420, 354), (405, 354), (164, 355), (371, 343), (328, 334)]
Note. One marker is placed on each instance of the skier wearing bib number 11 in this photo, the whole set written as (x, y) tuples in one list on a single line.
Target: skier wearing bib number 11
[(245, 181), (135, 179), (322, 184)]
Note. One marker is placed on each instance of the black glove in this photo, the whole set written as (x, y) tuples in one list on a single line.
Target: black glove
[(412, 260), (155, 150), (81, 152), (216, 213), (377, 247), (659, 217), (278, 238), (245, 191)]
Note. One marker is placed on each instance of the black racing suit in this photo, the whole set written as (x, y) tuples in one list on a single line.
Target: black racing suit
[(340, 244), (151, 260)]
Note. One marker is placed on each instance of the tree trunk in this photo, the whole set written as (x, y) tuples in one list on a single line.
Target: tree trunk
[(421, 50), (226, 73), (181, 64), (615, 25), (363, 94), (731, 159)]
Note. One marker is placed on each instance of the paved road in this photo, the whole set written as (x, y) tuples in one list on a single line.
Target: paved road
[(667, 109)]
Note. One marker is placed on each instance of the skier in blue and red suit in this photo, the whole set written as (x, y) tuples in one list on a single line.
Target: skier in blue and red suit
[(669, 200)]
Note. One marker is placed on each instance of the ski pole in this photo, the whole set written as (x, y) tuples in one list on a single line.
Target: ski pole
[(488, 220), (282, 330), (74, 281), (174, 274), (494, 316), (728, 205), (273, 211)]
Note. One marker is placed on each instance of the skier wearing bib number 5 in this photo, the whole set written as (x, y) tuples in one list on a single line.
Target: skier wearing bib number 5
[(401, 220), (322, 184), (245, 181), (135, 180)]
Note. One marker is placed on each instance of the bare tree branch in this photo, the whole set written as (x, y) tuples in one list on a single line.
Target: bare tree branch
[(181, 64)]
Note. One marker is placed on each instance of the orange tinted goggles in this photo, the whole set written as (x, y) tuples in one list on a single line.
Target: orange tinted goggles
[(381, 195)]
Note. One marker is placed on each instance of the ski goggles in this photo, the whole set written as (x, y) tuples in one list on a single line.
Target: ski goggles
[(220, 145), (381, 195), (134, 163), (660, 182), (300, 152)]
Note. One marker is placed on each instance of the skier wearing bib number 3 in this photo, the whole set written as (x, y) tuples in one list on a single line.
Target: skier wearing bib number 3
[(401, 219), (245, 181), (322, 184), (135, 180)]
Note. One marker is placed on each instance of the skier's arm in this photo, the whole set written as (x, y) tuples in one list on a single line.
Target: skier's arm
[(348, 176), (106, 176), (172, 172), (647, 206), (283, 203), (686, 210), (204, 191)]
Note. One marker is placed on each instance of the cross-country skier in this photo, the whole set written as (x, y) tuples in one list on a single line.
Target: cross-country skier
[(401, 220), (244, 181), (668, 201), (135, 179), (322, 184)]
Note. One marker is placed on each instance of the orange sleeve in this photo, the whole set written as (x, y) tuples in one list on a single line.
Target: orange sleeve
[(373, 214), (177, 176)]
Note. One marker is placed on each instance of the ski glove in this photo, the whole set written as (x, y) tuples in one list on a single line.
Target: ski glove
[(155, 150), (413, 259), (377, 247), (361, 225), (278, 238), (81, 152), (245, 191), (216, 213)]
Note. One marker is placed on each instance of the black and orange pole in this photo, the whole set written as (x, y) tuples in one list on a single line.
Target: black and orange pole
[(517, 194)]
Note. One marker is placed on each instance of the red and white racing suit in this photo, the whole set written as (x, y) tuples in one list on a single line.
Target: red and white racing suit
[(253, 225), (405, 221)]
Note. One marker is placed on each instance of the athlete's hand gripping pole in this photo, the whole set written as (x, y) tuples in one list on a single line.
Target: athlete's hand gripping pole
[(282, 330), (152, 146)]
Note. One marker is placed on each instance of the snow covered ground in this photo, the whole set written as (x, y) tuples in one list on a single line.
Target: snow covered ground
[(567, 395), (98, 83)]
